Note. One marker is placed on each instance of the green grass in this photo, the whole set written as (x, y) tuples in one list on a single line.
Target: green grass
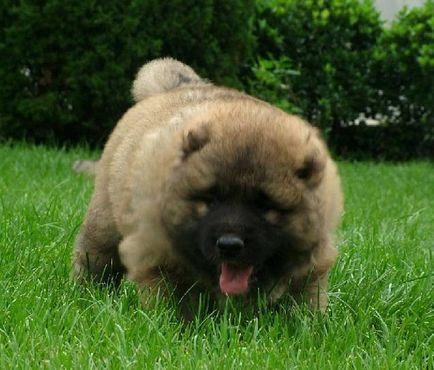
[(381, 293)]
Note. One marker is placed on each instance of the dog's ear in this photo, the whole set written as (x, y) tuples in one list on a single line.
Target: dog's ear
[(312, 169), (194, 140)]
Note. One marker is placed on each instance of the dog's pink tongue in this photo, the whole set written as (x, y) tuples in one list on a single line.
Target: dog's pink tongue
[(235, 280)]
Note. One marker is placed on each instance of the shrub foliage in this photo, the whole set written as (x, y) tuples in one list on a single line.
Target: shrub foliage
[(341, 63), (66, 67), (330, 45), (403, 77)]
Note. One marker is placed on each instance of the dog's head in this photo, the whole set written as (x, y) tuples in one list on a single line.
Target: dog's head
[(245, 209)]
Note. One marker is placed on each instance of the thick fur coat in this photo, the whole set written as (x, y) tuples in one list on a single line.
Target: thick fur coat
[(210, 188)]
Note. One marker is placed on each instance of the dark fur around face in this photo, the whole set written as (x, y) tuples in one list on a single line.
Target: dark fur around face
[(265, 244), (265, 211)]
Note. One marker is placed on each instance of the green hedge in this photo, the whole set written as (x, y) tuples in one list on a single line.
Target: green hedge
[(405, 67), (386, 142), (404, 77), (329, 45), (332, 61), (66, 67)]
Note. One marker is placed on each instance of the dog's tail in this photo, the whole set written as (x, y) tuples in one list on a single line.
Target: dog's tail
[(161, 75), (155, 77), (88, 167)]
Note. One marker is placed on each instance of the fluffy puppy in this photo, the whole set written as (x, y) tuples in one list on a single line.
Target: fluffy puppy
[(213, 191)]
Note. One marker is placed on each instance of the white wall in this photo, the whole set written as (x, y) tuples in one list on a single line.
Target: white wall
[(389, 8)]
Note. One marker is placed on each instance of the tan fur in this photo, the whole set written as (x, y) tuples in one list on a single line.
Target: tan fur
[(179, 137)]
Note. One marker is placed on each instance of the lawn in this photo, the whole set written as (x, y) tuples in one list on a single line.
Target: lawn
[(381, 313)]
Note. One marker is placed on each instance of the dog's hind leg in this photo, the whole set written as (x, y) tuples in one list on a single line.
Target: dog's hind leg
[(96, 256)]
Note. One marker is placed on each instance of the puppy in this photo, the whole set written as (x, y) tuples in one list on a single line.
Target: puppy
[(213, 191)]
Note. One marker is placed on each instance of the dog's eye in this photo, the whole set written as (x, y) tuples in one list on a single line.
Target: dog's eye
[(273, 217), (264, 202), (202, 198), (208, 196), (200, 209)]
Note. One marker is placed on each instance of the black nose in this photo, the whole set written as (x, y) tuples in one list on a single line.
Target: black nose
[(229, 245)]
